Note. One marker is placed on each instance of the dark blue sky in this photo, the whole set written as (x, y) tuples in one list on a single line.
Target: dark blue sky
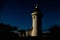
[(18, 12)]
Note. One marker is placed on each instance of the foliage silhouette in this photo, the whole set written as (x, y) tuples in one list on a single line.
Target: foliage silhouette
[(6, 32), (53, 34), (55, 29), (5, 27)]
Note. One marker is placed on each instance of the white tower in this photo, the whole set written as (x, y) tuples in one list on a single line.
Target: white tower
[(36, 22)]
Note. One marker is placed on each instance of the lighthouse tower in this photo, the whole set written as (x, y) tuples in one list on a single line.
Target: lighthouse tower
[(36, 22)]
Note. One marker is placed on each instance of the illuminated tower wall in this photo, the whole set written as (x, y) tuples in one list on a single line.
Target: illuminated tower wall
[(36, 22)]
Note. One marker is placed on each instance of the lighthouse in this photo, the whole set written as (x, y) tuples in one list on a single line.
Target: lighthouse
[(36, 22)]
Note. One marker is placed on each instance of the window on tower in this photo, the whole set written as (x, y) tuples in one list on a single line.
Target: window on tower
[(34, 17)]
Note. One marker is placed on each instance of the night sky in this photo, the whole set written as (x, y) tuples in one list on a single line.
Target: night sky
[(18, 13)]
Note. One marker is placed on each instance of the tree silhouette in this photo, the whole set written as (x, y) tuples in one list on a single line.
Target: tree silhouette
[(6, 32), (55, 32), (54, 29), (4, 27)]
